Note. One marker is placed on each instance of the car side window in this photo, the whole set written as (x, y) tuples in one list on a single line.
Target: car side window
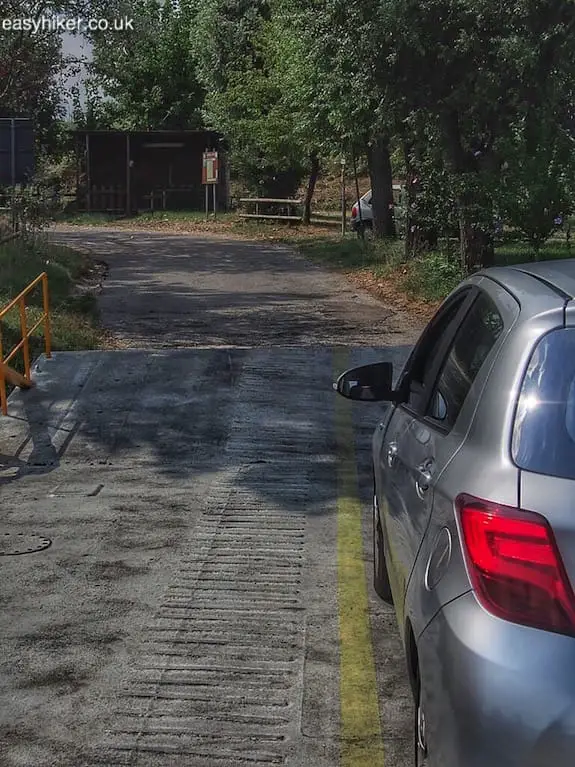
[(425, 355), (472, 343)]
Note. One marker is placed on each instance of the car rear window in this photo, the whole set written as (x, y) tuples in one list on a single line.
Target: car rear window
[(544, 429)]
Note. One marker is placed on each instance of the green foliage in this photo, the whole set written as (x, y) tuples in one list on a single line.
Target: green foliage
[(93, 111), (30, 68), (250, 114), (227, 39), (469, 71), (432, 277), (32, 207), (239, 51), (56, 174), (150, 73), (433, 190), (537, 180)]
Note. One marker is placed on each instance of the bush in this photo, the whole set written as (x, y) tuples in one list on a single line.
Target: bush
[(433, 276), (33, 207)]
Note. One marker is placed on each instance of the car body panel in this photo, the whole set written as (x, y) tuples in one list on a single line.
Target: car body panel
[(559, 273), (406, 506), (554, 498), (570, 314), (367, 210), (496, 693)]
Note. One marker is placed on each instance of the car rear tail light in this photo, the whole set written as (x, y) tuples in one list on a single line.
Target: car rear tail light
[(515, 565), (354, 211)]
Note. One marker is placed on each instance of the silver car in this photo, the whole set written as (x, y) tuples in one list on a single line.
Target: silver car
[(474, 518), (366, 218), (365, 221)]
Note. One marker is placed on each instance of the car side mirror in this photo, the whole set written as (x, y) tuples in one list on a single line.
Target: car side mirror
[(369, 383)]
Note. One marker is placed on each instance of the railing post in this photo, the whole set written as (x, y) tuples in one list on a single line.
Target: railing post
[(25, 339), (3, 397), (47, 328), (8, 374)]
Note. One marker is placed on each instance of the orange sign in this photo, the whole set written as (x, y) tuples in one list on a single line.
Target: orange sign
[(210, 168)]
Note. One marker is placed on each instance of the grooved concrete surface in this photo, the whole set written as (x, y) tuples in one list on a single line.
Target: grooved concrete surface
[(186, 610)]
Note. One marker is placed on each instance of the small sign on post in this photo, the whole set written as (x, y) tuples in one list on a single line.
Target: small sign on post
[(210, 177)]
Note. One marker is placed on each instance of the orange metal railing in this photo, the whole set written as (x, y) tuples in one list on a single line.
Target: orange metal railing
[(6, 372)]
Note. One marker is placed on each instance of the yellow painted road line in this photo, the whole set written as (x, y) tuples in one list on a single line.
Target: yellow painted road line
[(360, 739)]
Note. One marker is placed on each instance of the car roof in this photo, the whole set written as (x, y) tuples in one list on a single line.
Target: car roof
[(534, 279)]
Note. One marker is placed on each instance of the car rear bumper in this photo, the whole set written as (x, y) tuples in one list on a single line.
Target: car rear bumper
[(495, 693), (356, 224)]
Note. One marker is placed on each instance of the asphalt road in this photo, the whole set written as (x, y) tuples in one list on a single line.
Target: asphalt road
[(172, 290), (185, 543)]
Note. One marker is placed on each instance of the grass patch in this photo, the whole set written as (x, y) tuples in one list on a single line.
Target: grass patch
[(192, 216), (521, 252), (429, 278), (74, 317), (146, 217), (434, 276), (226, 223), (88, 219), (353, 254)]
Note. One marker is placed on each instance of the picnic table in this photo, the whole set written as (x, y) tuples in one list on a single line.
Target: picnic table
[(266, 207)]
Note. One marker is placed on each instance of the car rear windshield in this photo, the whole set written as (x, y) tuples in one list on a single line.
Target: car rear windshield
[(544, 428)]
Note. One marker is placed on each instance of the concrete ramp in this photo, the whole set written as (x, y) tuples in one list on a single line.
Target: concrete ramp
[(167, 552)]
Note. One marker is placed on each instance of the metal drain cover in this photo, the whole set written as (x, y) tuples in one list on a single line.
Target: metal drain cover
[(21, 543)]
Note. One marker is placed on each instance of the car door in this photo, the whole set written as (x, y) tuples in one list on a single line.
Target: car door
[(410, 452)]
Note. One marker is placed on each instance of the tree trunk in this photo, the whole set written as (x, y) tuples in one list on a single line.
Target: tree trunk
[(313, 175), (418, 239), (475, 228), (477, 248), (379, 164)]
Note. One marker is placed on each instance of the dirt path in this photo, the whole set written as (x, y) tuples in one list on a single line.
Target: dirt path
[(173, 290)]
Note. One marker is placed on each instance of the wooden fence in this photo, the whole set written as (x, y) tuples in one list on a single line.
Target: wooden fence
[(102, 199)]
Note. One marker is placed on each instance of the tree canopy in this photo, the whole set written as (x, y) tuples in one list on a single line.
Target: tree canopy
[(475, 98)]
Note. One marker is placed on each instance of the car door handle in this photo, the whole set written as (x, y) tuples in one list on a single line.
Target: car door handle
[(391, 454), (424, 477)]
